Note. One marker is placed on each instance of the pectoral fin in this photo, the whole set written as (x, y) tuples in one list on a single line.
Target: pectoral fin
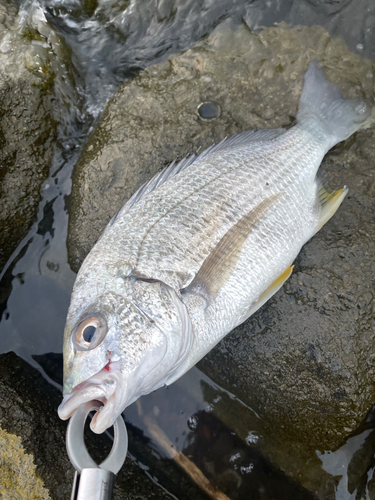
[(268, 292), (220, 263), (329, 202)]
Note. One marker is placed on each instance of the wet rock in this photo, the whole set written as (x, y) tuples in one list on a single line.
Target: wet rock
[(351, 20), (138, 32), (32, 59), (28, 410), (353, 461), (304, 362)]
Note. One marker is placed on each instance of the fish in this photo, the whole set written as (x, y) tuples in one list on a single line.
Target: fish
[(197, 250)]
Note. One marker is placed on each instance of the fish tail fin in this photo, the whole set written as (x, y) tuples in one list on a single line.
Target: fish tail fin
[(323, 101)]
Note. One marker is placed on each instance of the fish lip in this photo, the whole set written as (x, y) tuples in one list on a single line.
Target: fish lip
[(105, 386)]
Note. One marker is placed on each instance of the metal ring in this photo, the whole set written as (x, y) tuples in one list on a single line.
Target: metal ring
[(75, 442)]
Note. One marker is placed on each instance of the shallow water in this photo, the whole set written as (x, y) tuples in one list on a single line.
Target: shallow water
[(37, 280)]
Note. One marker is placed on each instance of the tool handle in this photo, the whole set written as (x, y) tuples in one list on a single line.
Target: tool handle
[(92, 481), (93, 484)]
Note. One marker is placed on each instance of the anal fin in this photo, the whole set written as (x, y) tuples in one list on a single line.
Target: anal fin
[(329, 202), (268, 292)]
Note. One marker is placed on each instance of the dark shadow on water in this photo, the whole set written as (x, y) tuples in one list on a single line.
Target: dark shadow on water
[(52, 365), (240, 471)]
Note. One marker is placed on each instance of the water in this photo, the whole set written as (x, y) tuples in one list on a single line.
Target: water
[(191, 415)]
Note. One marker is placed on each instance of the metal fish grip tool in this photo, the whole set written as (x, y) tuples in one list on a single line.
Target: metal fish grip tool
[(93, 481)]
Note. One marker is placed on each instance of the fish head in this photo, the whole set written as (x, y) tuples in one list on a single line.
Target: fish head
[(121, 346)]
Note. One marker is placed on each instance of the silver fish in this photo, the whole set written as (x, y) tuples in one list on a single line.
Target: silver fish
[(196, 251)]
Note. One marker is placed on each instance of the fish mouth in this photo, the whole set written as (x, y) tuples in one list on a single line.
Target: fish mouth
[(106, 387)]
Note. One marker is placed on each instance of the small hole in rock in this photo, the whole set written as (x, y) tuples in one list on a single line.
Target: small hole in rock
[(209, 110)]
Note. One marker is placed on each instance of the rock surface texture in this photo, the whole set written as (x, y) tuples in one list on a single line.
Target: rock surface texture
[(305, 361), (31, 55)]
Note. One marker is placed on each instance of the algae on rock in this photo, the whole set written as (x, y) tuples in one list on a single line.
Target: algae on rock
[(304, 361), (18, 478)]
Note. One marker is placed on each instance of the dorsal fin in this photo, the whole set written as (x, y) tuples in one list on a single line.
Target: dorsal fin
[(158, 180), (176, 167), (244, 138), (218, 266)]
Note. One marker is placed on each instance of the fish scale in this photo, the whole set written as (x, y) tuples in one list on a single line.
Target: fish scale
[(196, 251), (144, 253)]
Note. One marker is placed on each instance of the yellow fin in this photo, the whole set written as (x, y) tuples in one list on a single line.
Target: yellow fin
[(268, 292), (330, 202), (279, 281)]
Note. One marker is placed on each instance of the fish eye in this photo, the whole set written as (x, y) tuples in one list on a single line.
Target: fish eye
[(89, 333)]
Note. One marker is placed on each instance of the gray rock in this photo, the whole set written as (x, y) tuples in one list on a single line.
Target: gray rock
[(304, 362), (28, 409), (31, 57)]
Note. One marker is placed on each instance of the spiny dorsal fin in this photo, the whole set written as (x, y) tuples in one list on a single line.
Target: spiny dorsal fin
[(219, 265), (176, 167), (244, 138), (158, 180), (330, 202)]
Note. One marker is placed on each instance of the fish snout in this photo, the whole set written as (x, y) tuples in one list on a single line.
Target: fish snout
[(105, 386)]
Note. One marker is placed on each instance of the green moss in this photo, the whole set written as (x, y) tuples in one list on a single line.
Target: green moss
[(32, 34), (47, 85)]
